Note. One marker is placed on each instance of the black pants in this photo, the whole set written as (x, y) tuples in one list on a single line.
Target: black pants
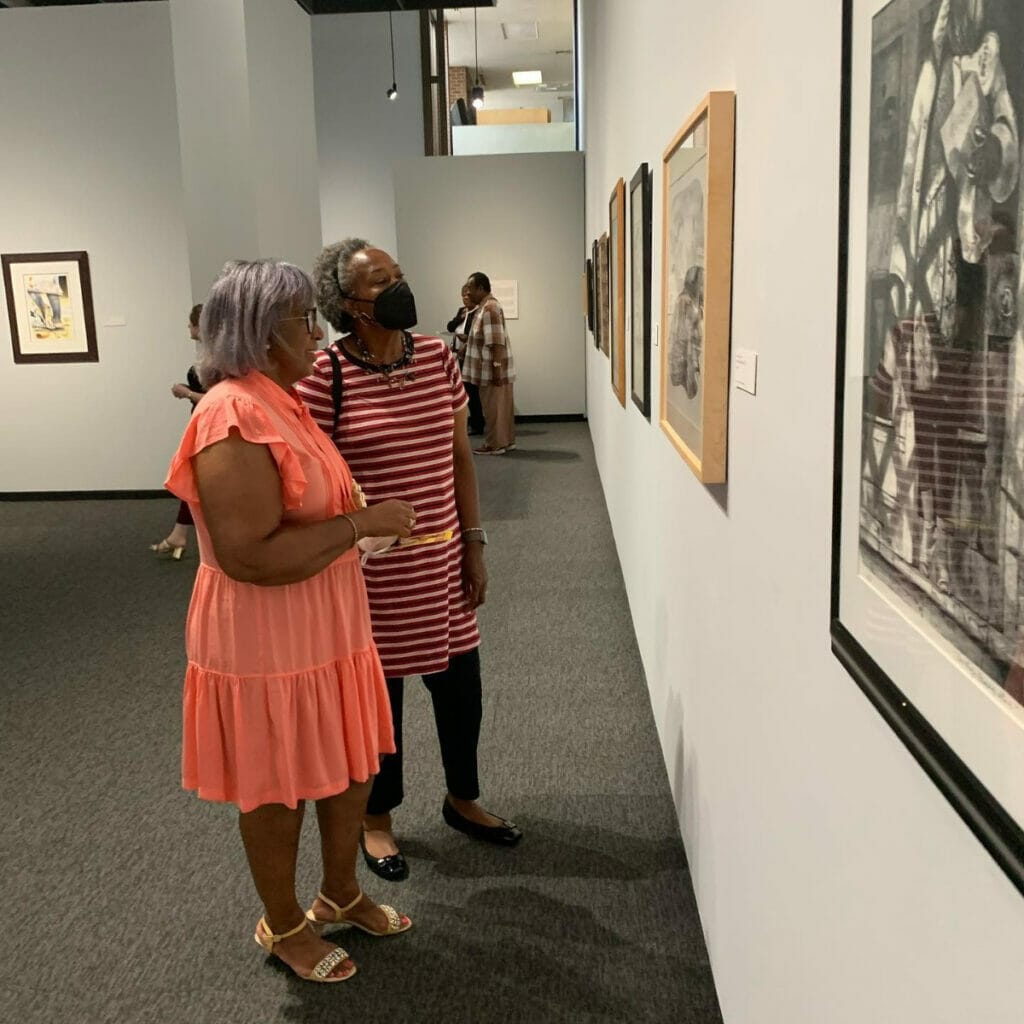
[(458, 708), (476, 409)]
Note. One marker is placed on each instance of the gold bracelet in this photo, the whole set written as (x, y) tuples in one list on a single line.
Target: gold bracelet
[(355, 529)]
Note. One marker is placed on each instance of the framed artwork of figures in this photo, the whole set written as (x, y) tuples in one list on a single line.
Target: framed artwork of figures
[(697, 173), (603, 288), (928, 551), (640, 193), (617, 288), (49, 307)]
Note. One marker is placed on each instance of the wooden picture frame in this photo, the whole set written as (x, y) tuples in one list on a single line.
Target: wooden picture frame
[(595, 261), (49, 307), (617, 288), (641, 189), (603, 284), (927, 608), (696, 294)]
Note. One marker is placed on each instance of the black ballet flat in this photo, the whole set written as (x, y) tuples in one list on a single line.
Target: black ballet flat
[(505, 834), (392, 868)]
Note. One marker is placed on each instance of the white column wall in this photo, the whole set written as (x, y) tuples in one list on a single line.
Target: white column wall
[(279, 44), (212, 73), (361, 134), (248, 135), (91, 161), (836, 886)]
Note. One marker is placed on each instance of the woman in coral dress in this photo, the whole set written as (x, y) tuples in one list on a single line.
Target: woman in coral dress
[(285, 699)]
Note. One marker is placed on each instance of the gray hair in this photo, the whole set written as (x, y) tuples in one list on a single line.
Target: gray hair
[(334, 279), (241, 314)]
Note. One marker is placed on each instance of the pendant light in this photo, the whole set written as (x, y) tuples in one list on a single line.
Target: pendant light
[(392, 93), (477, 94)]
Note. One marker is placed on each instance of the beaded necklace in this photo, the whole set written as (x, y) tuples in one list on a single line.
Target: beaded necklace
[(385, 370)]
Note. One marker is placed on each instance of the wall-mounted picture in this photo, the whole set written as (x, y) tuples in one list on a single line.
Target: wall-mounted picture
[(49, 307), (640, 194), (617, 288), (697, 171), (595, 321), (928, 570), (603, 293), (588, 292)]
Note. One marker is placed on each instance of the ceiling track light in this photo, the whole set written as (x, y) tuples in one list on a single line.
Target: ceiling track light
[(392, 93), (477, 94)]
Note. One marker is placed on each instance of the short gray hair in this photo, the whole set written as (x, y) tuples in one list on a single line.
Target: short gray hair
[(242, 312), (334, 279)]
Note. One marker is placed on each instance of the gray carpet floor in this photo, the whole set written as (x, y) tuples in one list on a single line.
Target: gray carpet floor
[(127, 900)]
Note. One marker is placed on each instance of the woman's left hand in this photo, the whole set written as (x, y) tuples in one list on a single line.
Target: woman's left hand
[(474, 575)]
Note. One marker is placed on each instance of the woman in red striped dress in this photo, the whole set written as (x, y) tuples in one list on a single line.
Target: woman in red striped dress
[(402, 429)]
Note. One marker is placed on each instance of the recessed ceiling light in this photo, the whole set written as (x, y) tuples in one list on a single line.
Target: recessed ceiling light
[(527, 77), (519, 30)]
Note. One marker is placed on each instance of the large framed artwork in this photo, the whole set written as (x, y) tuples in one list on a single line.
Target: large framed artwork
[(928, 554), (49, 306), (595, 262), (603, 286), (640, 194), (588, 294), (697, 173), (617, 288)]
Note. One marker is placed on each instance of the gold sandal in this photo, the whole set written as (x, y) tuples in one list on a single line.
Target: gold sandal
[(397, 923), (165, 547), (266, 939)]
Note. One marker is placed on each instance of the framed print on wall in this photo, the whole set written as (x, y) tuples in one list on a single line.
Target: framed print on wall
[(595, 261), (928, 547), (589, 294), (603, 286), (640, 195), (49, 306), (617, 288), (696, 257)]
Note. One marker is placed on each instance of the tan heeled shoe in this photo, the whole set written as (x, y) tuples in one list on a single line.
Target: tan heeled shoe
[(164, 547), (397, 923), (266, 940)]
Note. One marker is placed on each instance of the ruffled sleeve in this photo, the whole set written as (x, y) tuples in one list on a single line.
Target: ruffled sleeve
[(214, 418)]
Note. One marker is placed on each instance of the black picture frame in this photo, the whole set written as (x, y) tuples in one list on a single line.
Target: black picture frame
[(50, 341), (641, 192), (987, 818), (590, 295)]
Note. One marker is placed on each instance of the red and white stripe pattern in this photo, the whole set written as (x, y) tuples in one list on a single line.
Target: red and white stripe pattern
[(398, 444)]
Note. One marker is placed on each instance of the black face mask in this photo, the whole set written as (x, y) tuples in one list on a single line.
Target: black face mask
[(395, 307)]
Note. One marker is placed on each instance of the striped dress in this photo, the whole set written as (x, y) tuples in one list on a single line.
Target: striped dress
[(398, 444)]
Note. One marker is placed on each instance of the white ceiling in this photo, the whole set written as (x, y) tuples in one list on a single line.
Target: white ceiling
[(499, 57)]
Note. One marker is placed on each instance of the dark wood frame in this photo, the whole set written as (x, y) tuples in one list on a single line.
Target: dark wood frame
[(595, 325), (990, 822), (91, 354), (603, 292), (643, 181), (590, 293), (617, 273)]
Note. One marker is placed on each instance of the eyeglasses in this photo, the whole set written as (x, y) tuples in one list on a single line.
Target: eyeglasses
[(310, 316)]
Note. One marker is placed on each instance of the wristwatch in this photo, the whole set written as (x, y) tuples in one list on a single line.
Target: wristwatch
[(474, 533)]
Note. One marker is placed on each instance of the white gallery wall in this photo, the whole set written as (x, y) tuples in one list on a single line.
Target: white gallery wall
[(360, 133), (91, 161), (835, 884), (515, 218)]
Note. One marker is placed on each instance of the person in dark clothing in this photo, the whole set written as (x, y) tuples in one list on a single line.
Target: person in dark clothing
[(175, 542), (460, 326)]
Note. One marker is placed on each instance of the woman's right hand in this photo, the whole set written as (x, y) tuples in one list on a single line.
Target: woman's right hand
[(391, 518)]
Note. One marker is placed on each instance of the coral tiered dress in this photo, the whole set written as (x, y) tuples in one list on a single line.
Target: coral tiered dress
[(285, 698)]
